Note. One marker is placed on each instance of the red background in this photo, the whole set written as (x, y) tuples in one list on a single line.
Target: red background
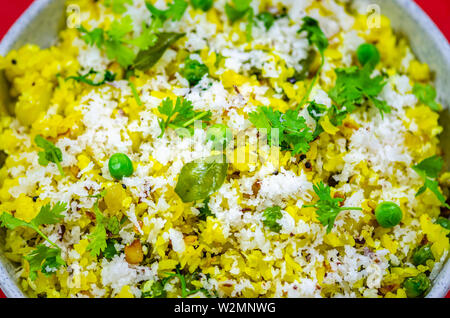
[(438, 10)]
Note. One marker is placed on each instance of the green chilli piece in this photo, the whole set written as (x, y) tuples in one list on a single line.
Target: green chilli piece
[(422, 255), (120, 166), (417, 286), (368, 55), (388, 214), (201, 178)]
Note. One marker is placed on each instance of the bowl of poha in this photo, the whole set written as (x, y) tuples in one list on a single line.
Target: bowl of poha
[(271, 148)]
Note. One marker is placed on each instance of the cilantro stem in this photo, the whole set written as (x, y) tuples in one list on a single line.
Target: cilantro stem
[(191, 121), (57, 163), (135, 93), (313, 83), (45, 237)]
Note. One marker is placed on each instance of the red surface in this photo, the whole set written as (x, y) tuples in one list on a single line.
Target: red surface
[(439, 10)]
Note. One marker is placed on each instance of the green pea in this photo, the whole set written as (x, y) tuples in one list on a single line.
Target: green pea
[(422, 255), (388, 214), (194, 71), (201, 178), (267, 18), (205, 5), (368, 55), (120, 166), (417, 286), (219, 135)]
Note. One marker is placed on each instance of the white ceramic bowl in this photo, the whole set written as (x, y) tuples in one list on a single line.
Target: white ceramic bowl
[(41, 22)]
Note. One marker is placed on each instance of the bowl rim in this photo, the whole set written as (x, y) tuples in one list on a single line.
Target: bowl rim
[(10, 287)]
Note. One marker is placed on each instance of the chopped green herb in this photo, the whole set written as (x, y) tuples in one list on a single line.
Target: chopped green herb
[(44, 259), (293, 133), (327, 207), (429, 170), (237, 10), (204, 5), (205, 210), (118, 6), (315, 37), (354, 86), (180, 115), (154, 289), (174, 12), (110, 250), (51, 153), (271, 217), (187, 289), (426, 94), (194, 71), (94, 37), (98, 238), (108, 77), (267, 18)]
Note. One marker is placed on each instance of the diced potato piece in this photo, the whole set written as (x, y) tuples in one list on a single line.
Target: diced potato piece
[(134, 253)]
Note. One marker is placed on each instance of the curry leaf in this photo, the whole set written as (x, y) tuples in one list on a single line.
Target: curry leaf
[(426, 94), (146, 59), (201, 178), (51, 153)]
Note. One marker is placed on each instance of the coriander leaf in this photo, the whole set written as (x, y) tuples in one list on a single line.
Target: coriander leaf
[(118, 6), (174, 12), (44, 259), (194, 71), (327, 207), (293, 134), (316, 111), (426, 94), (10, 222), (49, 215), (108, 77), (238, 10), (205, 210), (152, 289), (147, 38), (94, 37), (315, 36), (187, 289), (267, 18), (148, 58), (204, 5), (429, 169), (199, 179), (122, 54), (51, 153), (270, 218), (97, 240), (354, 86), (180, 115), (120, 28), (110, 250)]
